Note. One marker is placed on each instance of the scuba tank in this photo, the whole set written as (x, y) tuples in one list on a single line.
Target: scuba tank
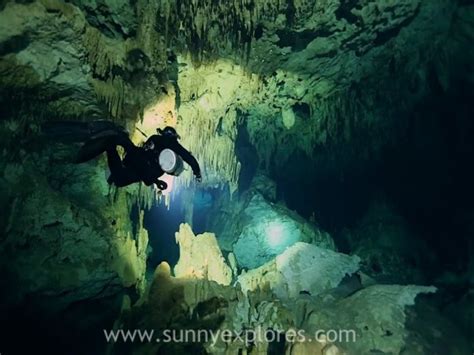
[(170, 162)]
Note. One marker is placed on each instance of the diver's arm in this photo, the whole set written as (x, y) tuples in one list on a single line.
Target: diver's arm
[(150, 143), (188, 158)]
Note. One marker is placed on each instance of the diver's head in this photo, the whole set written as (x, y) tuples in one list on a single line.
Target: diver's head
[(168, 132)]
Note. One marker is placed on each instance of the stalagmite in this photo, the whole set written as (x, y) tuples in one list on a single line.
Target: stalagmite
[(288, 117), (200, 257)]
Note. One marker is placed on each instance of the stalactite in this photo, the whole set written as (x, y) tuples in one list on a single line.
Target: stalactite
[(107, 57), (235, 21), (209, 117), (112, 93), (143, 196), (333, 119), (215, 153), (332, 122), (148, 39), (102, 53)]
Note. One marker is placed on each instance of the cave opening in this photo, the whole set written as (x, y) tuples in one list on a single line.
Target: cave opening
[(162, 222), (203, 202), (426, 177), (429, 176), (246, 153)]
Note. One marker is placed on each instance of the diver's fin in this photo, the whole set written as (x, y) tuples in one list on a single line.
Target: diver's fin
[(77, 131), (66, 130)]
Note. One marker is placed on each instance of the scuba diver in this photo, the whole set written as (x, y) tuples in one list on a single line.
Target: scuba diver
[(161, 153)]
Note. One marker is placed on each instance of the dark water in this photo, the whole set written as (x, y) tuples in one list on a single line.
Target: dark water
[(162, 223)]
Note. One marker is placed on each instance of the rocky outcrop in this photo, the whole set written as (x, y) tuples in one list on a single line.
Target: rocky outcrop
[(369, 319), (42, 50), (56, 244), (67, 238), (256, 228), (175, 304), (69, 248), (186, 304), (316, 60), (301, 269), (116, 19), (268, 229), (65, 67), (376, 314), (200, 257)]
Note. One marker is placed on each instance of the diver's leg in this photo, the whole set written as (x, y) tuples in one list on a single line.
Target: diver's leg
[(119, 175), (124, 141), (114, 161), (101, 142)]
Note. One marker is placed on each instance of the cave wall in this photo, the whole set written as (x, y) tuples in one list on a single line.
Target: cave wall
[(69, 247)]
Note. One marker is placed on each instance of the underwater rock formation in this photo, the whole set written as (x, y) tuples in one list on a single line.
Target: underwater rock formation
[(54, 231), (256, 228), (301, 268), (193, 303), (209, 98), (200, 257), (377, 313), (63, 67), (381, 316), (68, 247), (268, 229), (116, 19)]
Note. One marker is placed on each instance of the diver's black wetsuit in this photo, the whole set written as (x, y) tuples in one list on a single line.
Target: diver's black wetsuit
[(141, 163)]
